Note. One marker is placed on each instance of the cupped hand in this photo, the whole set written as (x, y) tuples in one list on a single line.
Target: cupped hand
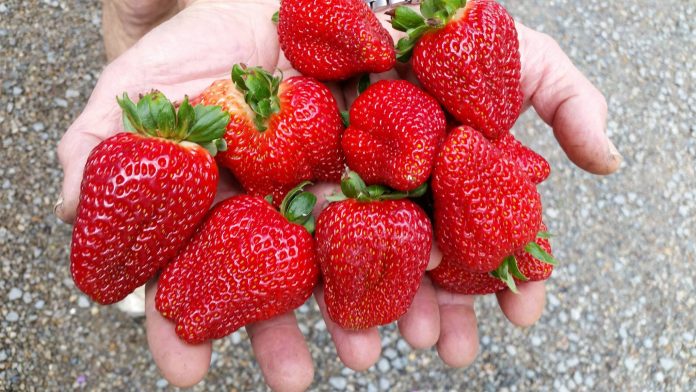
[(567, 101), (199, 45), (183, 56)]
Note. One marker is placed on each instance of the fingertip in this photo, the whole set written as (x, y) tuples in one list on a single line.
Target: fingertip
[(579, 125), (282, 353), (420, 326), (358, 350), (73, 151), (526, 307), (458, 344), (183, 365), (435, 257)]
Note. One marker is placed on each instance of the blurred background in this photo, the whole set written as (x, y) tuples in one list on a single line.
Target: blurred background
[(620, 308)]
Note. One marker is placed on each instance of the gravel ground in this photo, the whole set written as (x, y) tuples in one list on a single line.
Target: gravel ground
[(620, 313)]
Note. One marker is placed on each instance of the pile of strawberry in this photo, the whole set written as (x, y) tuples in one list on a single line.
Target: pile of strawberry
[(417, 167)]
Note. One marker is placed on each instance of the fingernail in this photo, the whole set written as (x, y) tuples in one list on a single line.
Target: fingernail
[(58, 205), (614, 153)]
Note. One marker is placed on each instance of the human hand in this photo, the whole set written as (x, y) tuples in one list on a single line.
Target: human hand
[(577, 112), (182, 57), (278, 344)]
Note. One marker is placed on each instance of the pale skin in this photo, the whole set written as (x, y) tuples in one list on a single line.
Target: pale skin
[(161, 43)]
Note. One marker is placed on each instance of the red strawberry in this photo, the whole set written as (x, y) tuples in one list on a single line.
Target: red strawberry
[(333, 40), (485, 206), (373, 252), (452, 277), (246, 263), (143, 193), (536, 167), (531, 264), (280, 132), (466, 54), (394, 133)]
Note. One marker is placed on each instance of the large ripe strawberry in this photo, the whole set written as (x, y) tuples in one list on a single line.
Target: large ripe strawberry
[(466, 54), (247, 262), (333, 40), (281, 132), (143, 193), (485, 206), (373, 250), (536, 167), (533, 263), (394, 133)]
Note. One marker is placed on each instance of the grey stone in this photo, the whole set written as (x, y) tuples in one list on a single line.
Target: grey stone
[(383, 365), (339, 383), (83, 302), (12, 316), (14, 294)]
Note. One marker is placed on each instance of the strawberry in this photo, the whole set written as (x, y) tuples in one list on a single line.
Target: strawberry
[(534, 263), (280, 132), (143, 194), (536, 167), (333, 40), (466, 54), (485, 206), (373, 249), (247, 262), (394, 133)]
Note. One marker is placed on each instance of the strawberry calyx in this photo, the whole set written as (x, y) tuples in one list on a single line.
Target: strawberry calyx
[(297, 207), (155, 116), (353, 187), (260, 89), (434, 15), (508, 269)]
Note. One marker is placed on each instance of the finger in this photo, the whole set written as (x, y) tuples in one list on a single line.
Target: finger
[(282, 353), (524, 308), (435, 257), (73, 151), (458, 343), (182, 364), (567, 101), (357, 350), (322, 190), (420, 326)]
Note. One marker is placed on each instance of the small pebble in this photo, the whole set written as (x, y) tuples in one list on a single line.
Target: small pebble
[(630, 363), (320, 325), (3, 356), (384, 383), (338, 382), (390, 353), (14, 294), (402, 346), (162, 383), (83, 302), (60, 102), (667, 363), (39, 304), (659, 377), (70, 93), (12, 316), (383, 365), (536, 341)]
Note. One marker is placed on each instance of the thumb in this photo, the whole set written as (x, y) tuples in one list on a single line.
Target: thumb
[(73, 151)]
